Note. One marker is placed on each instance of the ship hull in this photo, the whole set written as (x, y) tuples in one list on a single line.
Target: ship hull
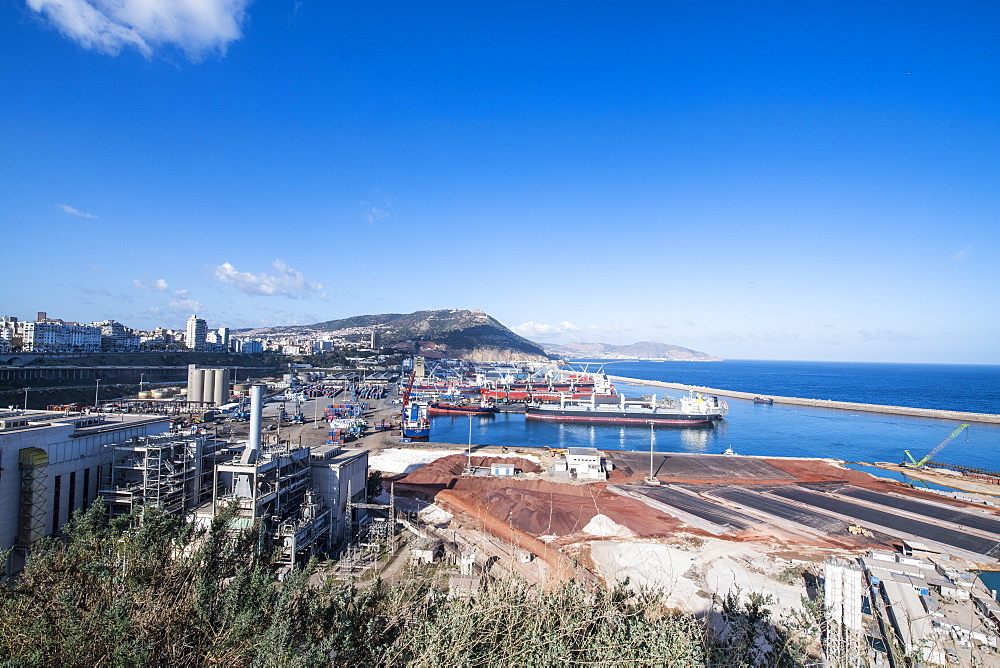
[(445, 409), (618, 417)]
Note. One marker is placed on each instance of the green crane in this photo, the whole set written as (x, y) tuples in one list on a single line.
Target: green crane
[(937, 448)]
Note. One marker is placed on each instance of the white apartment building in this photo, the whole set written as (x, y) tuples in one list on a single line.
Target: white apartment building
[(48, 336), (197, 332)]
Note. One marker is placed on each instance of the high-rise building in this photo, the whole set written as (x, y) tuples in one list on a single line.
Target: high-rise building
[(197, 332), (224, 337)]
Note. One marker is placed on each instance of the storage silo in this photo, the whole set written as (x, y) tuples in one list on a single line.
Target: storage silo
[(220, 392), (208, 385), (196, 383)]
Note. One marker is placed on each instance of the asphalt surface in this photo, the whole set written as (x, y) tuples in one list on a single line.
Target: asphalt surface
[(698, 466), (782, 509), (952, 515), (706, 510), (889, 520)]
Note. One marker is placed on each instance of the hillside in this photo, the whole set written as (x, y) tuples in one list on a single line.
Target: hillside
[(648, 350), (445, 333)]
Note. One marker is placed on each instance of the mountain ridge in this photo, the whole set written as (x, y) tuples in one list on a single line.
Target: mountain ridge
[(459, 333), (651, 350)]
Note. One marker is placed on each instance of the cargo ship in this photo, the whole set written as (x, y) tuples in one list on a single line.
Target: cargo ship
[(460, 408), (687, 410), (416, 424)]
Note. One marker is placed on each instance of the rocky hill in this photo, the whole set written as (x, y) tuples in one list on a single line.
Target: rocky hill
[(452, 333), (643, 350)]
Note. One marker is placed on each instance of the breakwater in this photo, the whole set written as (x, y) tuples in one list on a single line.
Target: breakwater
[(962, 416)]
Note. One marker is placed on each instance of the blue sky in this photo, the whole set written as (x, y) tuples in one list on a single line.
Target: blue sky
[(768, 180)]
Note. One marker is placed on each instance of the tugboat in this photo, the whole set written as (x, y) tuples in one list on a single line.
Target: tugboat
[(692, 409), (763, 400)]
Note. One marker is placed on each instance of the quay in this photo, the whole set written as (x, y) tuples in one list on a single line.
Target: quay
[(989, 418)]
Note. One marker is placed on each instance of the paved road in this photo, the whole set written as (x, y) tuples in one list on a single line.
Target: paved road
[(952, 515), (889, 520)]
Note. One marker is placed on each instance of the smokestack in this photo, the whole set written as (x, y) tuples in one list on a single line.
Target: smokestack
[(256, 413)]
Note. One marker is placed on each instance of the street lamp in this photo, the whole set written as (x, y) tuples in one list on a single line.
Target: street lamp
[(470, 442), (25, 398), (141, 376), (651, 479), (96, 391)]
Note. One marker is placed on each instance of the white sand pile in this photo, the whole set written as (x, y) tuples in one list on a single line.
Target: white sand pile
[(435, 515), (602, 525), (689, 577), (400, 460)]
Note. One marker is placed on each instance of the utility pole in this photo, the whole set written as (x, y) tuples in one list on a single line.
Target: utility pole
[(651, 479), (96, 392)]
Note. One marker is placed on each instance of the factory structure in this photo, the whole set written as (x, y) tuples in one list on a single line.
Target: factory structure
[(52, 463)]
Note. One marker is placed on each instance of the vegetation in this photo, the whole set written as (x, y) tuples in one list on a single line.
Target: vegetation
[(149, 589)]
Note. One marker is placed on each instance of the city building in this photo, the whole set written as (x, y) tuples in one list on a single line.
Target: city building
[(195, 337), (58, 336), (116, 337)]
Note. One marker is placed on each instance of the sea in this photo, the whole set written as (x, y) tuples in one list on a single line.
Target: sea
[(779, 430)]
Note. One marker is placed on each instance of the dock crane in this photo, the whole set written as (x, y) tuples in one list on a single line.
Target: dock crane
[(913, 463)]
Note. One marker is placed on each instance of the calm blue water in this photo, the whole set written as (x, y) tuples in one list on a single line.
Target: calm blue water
[(795, 431)]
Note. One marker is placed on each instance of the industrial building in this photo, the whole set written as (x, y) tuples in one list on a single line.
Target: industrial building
[(306, 500), (51, 464), (302, 497)]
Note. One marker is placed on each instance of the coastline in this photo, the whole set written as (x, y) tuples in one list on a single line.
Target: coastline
[(988, 418)]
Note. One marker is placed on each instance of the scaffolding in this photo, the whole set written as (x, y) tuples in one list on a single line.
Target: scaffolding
[(33, 464), (844, 639), (163, 471)]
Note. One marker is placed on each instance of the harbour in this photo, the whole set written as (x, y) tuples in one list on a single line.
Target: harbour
[(963, 416)]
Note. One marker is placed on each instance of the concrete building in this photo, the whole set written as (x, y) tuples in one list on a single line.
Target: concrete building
[(195, 337), (116, 337), (52, 464), (585, 463), (59, 336)]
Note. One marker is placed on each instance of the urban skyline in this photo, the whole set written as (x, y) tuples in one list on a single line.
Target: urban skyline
[(780, 182)]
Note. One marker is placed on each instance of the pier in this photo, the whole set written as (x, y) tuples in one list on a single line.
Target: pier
[(961, 416)]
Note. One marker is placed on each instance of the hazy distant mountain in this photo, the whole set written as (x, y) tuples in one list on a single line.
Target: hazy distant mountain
[(645, 350), (444, 333)]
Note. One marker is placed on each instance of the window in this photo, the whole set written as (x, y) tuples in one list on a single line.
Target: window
[(55, 505), (72, 492), (86, 488)]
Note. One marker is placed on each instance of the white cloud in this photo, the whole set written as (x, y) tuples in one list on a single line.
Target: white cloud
[(159, 285), (76, 212), (960, 255), (196, 27), (287, 282), (530, 329), (886, 335), (186, 305)]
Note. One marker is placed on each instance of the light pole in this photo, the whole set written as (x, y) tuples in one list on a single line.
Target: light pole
[(96, 391), (25, 398), (470, 442), (651, 479)]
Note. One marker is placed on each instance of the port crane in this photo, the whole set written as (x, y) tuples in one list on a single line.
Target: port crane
[(913, 463)]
